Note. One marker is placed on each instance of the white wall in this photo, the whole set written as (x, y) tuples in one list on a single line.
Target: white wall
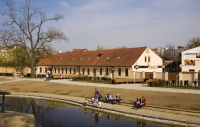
[(155, 61)]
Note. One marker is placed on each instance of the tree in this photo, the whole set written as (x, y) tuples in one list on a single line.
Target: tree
[(100, 47), (194, 42), (170, 52), (24, 27), (123, 47)]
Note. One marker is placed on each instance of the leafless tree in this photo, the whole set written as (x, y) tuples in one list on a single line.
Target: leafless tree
[(24, 27), (101, 47), (170, 52)]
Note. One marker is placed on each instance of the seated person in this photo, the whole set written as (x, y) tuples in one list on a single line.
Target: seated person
[(86, 102), (137, 103), (118, 99), (107, 98), (99, 97), (92, 100), (143, 102)]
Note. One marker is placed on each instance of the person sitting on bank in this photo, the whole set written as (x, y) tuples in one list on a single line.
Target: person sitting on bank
[(143, 102), (85, 103), (107, 98), (137, 103), (117, 98)]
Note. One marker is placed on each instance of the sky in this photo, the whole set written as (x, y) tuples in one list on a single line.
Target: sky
[(117, 23)]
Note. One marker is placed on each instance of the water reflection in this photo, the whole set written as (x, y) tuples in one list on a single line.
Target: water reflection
[(59, 114)]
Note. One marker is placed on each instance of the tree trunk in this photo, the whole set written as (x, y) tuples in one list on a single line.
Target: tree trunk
[(32, 65)]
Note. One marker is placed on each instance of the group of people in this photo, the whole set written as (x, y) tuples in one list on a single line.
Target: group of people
[(20, 74), (140, 102), (110, 99)]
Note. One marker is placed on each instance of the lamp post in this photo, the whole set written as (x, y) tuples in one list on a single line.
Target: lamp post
[(171, 71), (136, 67), (74, 67), (43, 69)]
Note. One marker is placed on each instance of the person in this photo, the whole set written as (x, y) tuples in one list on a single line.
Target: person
[(86, 102), (96, 95), (117, 98), (99, 104), (60, 76), (92, 100), (14, 75), (47, 77), (22, 74), (143, 102), (107, 98), (99, 96), (137, 103)]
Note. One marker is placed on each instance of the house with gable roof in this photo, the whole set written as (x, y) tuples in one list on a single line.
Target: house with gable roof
[(113, 63)]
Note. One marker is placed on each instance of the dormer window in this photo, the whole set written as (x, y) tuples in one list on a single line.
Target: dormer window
[(81, 58), (119, 57), (88, 58), (108, 57)]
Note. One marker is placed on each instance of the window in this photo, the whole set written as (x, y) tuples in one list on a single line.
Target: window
[(147, 59), (45, 70), (62, 70), (126, 71), (88, 71), (55, 70), (119, 71), (106, 71), (40, 70), (66, 70), (100, 70), (59, 70), (70, 70), (83, 71)]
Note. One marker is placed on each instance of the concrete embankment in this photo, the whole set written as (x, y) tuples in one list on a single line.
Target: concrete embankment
[(180, 118), (16, 119)]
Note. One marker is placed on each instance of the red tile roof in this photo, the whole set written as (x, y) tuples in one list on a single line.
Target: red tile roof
[(113, 57)]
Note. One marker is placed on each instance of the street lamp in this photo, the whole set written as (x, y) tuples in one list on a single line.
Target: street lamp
[(171, 71), (136, 67)]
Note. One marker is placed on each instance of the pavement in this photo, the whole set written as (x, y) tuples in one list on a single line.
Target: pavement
[(136, 86)]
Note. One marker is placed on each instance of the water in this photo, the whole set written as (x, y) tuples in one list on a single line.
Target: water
[(59, 114)]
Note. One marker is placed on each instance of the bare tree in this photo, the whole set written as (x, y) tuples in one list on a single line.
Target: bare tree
[(170, 52), (24, 27), (100, 47)]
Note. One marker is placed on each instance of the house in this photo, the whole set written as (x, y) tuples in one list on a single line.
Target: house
[(113, 63), (190, 60)]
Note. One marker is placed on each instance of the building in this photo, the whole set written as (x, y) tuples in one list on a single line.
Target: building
[(190, 60), (114, 63)]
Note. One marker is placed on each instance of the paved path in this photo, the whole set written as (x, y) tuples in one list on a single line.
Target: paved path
[(123, 86)]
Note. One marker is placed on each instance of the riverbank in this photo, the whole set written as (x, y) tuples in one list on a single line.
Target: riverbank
[(180, 118), (62, 90)]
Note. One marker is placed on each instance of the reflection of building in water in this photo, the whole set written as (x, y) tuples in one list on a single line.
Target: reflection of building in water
[(117, 117), (141, 122), (108, 116)]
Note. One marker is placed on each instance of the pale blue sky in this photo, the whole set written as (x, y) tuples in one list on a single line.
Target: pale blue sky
[(130, 23)]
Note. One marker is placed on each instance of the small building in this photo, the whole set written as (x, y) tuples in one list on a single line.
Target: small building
[(113, 63), (190, 60)]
